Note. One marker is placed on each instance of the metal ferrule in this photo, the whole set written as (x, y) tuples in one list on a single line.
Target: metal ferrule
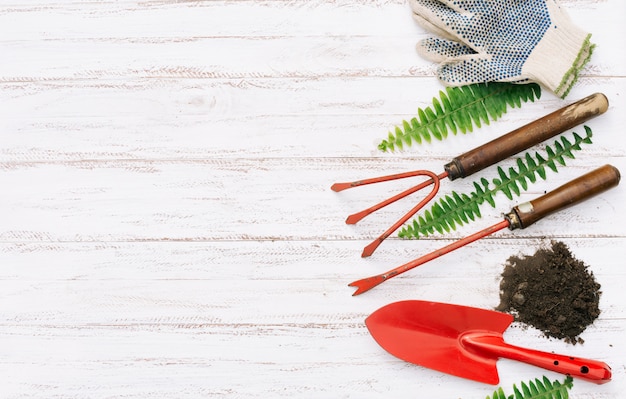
[(513, 219), (454, 169)]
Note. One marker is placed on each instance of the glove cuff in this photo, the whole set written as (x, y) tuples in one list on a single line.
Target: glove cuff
[(558, 58)]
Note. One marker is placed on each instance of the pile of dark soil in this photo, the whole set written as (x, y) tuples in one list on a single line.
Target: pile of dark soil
[(551, 291)]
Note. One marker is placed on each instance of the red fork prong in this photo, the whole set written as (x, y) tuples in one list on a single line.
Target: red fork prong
[(356, 217), (369, 249), (343, 186)]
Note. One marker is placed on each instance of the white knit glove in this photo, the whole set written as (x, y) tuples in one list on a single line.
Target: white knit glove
[(503, 41)]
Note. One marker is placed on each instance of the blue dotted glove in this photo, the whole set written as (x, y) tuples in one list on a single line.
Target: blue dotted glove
[(503, 41)]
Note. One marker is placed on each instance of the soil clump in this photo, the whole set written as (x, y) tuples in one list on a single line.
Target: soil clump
[(551, 291)]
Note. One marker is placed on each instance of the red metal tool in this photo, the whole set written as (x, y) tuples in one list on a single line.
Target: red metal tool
[(519, 217), (465, 342), (480, 158)]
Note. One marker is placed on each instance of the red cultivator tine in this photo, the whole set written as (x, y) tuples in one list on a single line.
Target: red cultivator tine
[(354, 218)]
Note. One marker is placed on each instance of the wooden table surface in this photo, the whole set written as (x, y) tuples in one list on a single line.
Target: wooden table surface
[(167, 228)]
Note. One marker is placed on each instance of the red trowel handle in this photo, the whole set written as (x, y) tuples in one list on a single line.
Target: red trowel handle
[(578, 190), (493, 346), (527, 136)]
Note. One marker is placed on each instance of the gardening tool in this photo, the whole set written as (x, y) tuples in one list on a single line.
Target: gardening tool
[(479, 158), (520, 217), (465, 342)]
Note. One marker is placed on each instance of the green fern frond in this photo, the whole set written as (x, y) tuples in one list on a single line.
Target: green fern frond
[(457, 209), (460, 109), (538, 389)]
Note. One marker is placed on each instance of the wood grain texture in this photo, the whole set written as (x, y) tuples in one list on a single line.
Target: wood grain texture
[(167, 224)]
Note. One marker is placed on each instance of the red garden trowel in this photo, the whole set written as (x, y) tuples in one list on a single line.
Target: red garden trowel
[(479, 158), (465, 342)]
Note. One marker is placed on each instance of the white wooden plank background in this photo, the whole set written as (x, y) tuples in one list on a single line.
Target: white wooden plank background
[(167, 228)]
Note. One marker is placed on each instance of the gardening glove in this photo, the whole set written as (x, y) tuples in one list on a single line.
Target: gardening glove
[(444, 50), (504, 41)]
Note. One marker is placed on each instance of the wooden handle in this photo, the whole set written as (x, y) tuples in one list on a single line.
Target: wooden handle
[(576, 191), (527, 136)]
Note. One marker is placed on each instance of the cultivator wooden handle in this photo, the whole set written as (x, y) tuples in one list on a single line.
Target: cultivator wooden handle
[(575, 191), (527, 136)]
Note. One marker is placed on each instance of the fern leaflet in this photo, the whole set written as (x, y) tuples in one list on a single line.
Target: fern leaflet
[(459, 109), (457, 209), (538, 389)]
